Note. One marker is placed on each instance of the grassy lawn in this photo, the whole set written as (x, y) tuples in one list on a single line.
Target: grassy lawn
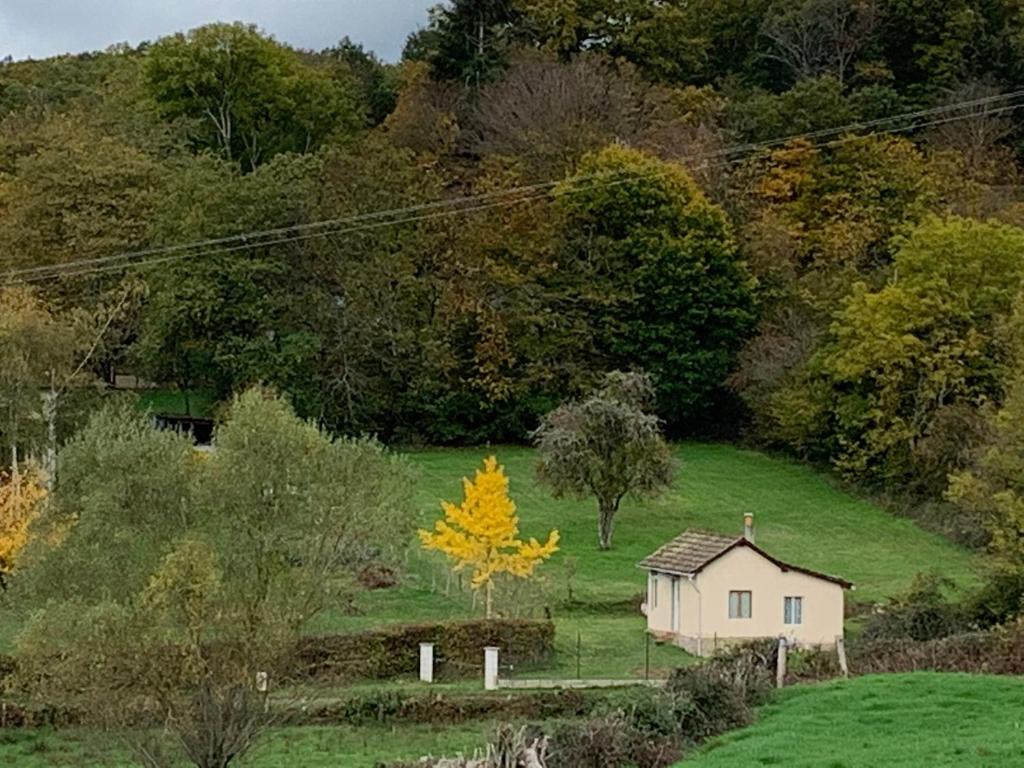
[(897, 721), (174, 403), (319, 747), (800, 515)]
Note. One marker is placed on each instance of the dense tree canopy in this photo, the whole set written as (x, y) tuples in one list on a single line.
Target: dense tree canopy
[(661, 282), (538, 193), (244, 95)]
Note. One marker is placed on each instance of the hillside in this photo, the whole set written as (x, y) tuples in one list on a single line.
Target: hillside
[(899, 721), (800, 514)]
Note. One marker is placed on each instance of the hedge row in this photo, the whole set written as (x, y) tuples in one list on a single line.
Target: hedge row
[(391, 707), (387, 707), (996, 652), (394, 651)]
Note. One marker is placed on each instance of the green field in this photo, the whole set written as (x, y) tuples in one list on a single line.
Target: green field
[(897, 721), (310, 747), (800, 514)]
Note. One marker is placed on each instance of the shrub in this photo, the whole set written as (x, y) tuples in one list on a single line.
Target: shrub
[(923, 613), (1000, 601), (610, 741), (997, 651), (714, 703), (444, 708)]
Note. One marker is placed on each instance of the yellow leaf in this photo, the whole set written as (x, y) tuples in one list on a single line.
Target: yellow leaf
[(482, 533)]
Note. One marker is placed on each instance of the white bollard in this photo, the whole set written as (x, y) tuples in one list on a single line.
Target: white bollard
[(427, 662), (490, 669)]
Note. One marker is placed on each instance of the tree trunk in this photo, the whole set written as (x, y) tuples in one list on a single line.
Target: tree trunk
[(606, 522), (489, 610), (50, 416)]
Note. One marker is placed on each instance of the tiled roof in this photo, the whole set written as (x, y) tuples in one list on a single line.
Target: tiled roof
[(688, 552), (691, 551)]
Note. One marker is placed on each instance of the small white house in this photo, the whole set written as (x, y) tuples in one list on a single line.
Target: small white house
[(706, 591)]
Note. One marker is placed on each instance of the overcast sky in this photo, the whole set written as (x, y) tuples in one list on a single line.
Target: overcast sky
[(40, 28)]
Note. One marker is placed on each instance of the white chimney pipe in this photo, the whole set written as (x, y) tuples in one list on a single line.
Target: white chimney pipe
[(748, 527)]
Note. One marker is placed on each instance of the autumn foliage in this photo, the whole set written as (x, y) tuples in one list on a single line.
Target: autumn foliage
[(482, 533), (21, 497)]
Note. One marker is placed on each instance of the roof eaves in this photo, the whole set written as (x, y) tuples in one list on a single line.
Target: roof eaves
[(784, 566)]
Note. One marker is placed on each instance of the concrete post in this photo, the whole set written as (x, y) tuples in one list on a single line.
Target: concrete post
[(490, 669), (427, 662), (780, 664), (841, 654)]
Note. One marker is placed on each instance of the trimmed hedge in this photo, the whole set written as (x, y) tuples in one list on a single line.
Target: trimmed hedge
[(443, 708), (386, 707), (995, 652), (394, 651)]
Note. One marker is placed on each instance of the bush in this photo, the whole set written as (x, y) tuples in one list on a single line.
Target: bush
[(610, 741), (997, 651), (443, 708), (711, 703), (394, 651), (999, 602), (923, 613)]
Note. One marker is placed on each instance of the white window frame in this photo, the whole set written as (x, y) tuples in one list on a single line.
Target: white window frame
[(793, 610), (736, 608), (652, 597)]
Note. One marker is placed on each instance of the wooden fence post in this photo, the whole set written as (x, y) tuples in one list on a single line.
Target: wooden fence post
[(841, 654), (780, 664)]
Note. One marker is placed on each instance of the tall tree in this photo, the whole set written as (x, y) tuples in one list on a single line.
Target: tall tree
[(926, 341), (658, 269), (247, 97), (230, 556), (820, 37), (36, 356), (21, 498), (471, 39), (607, 446)]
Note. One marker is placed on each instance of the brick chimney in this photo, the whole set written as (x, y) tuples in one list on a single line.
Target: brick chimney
[(748, 526)]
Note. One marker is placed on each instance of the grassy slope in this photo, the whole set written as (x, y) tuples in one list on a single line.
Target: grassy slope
[(800, 517), (897, 721)]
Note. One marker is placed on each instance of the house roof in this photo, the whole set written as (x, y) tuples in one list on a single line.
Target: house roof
[(693, 551)]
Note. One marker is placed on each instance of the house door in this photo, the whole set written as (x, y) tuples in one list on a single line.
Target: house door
[(675, 604)]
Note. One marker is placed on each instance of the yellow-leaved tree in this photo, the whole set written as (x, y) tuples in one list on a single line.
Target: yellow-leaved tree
[(21, 498), (482, 533)]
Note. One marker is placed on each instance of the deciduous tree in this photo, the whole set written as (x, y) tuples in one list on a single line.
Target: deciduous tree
[(658, 275), (172, 601), (607, 446), (247, 97), (21, 497), (482, 533)]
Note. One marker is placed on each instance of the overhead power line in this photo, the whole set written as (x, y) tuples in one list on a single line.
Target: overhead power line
[(723, 157)]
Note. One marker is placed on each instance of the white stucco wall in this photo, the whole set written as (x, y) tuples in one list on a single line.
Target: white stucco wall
[(704, 622)]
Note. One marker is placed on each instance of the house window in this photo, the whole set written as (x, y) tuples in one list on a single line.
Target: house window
[(653, 599), (793, 610), (739, 605)]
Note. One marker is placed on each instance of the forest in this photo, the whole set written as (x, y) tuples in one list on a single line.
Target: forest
[(802, 219)]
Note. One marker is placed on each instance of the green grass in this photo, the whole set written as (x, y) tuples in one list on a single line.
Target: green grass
[(897, 721), (308, 747), (801, 516), (173, 403)]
